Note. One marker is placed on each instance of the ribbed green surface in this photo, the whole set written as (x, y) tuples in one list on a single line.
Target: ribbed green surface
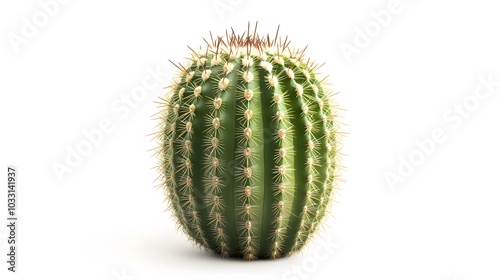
[(248, 154)]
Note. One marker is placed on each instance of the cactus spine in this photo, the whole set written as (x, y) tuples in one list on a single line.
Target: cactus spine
[(248, 147)]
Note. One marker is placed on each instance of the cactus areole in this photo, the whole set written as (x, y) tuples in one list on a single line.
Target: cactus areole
[(248, 146)]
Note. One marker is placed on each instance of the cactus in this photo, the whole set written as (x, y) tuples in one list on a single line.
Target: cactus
[(248, 146)]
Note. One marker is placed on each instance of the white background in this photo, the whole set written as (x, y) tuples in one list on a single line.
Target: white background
[(106, 220)]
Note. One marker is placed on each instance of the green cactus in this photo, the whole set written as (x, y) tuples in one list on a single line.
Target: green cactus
[(248, 153)]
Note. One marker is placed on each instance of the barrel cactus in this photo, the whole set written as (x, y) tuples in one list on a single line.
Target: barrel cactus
[(248, 146)]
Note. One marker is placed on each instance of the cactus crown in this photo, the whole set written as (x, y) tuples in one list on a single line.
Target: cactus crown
[(248, 146)]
